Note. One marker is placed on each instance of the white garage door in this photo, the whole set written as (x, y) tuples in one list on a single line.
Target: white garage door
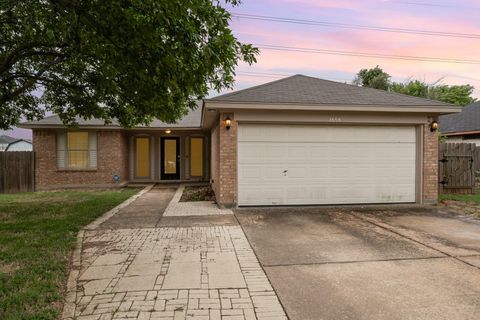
[(325, 164)]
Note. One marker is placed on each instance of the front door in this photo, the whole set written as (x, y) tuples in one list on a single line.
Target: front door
[(170, 158)]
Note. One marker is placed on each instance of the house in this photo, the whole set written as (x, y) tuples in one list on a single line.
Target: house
[(463, 126), (295, 141), (13, 144), (5, 141), (20, 145)]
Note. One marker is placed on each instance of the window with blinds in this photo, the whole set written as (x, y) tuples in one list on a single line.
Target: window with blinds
[(77, 150)]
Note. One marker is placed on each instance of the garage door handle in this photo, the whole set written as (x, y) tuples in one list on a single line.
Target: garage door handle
[(285, 172)]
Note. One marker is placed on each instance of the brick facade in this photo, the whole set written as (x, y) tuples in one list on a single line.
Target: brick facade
[(112, 159), (113, 149), (227, 164), (430, 164), (214, 157)]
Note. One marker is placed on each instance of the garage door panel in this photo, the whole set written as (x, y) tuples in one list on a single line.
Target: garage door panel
[(270, 195), (298, 151), (325, 133), (273, 174), (252, 173), (296, 194), (326, 164), (297, 173), (318, 172)]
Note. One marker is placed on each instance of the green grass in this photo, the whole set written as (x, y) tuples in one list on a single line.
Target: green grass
[(37, 235), (469, 198)]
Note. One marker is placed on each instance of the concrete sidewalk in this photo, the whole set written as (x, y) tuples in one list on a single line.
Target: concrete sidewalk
[(171, 272)]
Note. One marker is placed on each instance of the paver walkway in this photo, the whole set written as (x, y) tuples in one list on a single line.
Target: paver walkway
[(171, 272), (145, 211)]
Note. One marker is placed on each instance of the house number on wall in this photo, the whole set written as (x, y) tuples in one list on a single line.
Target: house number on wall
[(335, 119)]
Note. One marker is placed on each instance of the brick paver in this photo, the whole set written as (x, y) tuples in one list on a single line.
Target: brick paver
[(194, 208), (172, 273)]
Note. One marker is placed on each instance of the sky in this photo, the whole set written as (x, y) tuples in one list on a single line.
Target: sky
[(445, 16)]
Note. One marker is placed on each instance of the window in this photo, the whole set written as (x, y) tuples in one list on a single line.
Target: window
[(196, 157), (77, 150), (142, 153)]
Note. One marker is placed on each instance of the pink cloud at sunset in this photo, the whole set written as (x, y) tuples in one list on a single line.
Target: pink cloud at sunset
[(441, 16)]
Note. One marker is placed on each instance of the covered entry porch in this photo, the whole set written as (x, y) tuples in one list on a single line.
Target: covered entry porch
[(169, 156)]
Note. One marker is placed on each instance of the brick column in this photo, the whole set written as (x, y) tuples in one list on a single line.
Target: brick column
[(227, 162), (430, 164), (44, 146)]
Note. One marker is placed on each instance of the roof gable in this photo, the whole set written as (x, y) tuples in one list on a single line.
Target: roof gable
[(4, 139), (300, 89)]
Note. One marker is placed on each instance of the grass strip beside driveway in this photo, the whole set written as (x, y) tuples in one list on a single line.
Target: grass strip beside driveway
[(37, 235), (468, 198)]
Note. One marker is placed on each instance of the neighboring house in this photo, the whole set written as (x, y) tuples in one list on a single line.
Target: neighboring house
[(12, 144), (463, 126), (295, 141), (5, 141), (20, 145)]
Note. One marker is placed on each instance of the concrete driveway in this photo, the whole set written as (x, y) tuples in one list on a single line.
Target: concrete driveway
[(374, 263)]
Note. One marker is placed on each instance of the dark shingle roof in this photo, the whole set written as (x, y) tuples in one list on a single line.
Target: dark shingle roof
[(300, 89), (4, 139), (191, 120), (467, 120)]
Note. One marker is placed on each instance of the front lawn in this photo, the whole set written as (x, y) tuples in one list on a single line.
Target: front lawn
[(37, 235), (468, 198), (462, 203)]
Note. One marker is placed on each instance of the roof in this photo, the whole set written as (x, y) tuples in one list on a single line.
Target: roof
[(4, 139), (20, 140), (300, 89), (191, 120), (466, 121), (17, 141)]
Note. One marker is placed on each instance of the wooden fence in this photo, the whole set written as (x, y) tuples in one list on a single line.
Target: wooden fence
[(16, 171), (458, 164)]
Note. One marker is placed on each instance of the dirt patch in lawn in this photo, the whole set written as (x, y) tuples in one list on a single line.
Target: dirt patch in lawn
[(462, 207), (8, 267), (197, 193)]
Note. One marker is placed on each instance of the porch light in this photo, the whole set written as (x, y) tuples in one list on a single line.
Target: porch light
[(434, 126), (168, 131), (228, 123)]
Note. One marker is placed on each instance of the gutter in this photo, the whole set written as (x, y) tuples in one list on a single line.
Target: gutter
[(461, 133), (438, 109)]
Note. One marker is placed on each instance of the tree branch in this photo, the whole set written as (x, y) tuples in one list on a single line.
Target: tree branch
[(11, 95), (18, 54)]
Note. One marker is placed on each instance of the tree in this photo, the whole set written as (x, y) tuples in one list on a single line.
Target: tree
[(379, 79), (460, 95), (373, 78), (454, 94), (129, 60), (411, 87)]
